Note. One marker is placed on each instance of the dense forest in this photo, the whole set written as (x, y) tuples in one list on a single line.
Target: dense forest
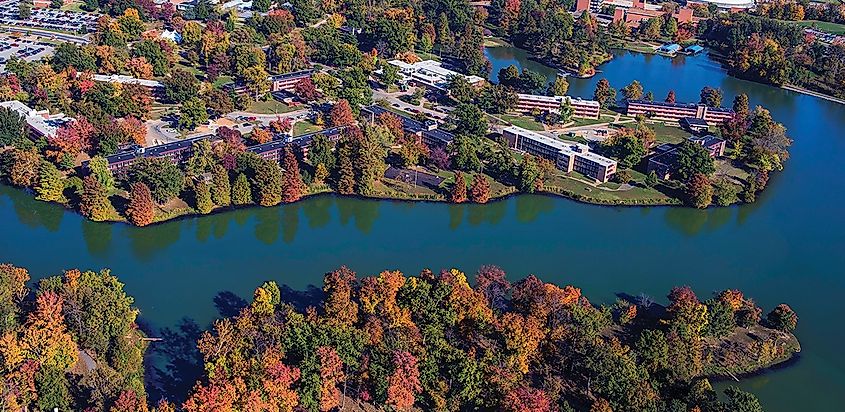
[(430, 341)]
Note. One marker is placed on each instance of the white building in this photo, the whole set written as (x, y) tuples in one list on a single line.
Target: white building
[(568, 156), (430, 73), (171, 35), (41, 123)]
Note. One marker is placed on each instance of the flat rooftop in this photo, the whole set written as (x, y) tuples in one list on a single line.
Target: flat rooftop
[(567, 147)]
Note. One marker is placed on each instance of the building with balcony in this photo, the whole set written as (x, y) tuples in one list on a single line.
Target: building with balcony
[(568, 156), (588, 109), (678, 111)]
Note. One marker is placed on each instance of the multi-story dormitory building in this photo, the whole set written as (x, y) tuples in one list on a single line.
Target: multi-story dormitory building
[(281, 82), (180, 151), (588, 109), (427, 131), (39, 122), (678, 111), (568, 156)]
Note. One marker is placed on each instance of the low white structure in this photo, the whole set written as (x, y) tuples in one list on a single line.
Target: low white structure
[(430, 73), (733, 5), (171, 35), (41, 123)]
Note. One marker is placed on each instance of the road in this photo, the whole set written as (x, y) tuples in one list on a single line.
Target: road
[(47, 33), (393, 100)]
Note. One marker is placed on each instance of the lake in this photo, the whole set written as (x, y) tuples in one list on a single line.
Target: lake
[(787, 247)]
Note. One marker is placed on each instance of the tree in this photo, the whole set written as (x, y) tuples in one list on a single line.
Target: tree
[(393, 124), (12, 128), (699, 192), (13, 290), (633, 91), (261, 5), (464, 154), (626, 147), (528, 174), (651, 179), (670, 98), (525, 399), (509, 76), (404, 384), (51, 183), (331, 373), (711, 96), (459, 189), (389, 74), (260, 135), (181, 86), (741, 401), (469, 120), (293, 187), (559, 87), (221, 191), (783, 318), (306, 90), (241, 191), (95, 204), (345, 169), (202, 197), (23, 167), (141, 210), (320, 152), (725, 192), (192, 114), (341, 114), (480, 190), (604, 94), (162, 177), (740, 105), (532, 82), (268, 183), (693, 159)]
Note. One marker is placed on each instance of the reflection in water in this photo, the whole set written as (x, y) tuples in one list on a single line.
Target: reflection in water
[(528, 208), (204, 225), (268, 224), (290, 222), (365, 212), (98, 237), (318, 212), (146, 241), (456, 215), (32, 213), (491, 213), (176, 362), (221, 224)]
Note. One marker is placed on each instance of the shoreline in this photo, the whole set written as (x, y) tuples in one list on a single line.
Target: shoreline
[(191, 213)]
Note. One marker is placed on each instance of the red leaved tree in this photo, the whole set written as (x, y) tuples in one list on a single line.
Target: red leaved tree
[(141, 210), (404, 384), (459, 190), (292, 186), (341, 114), (331, 373)]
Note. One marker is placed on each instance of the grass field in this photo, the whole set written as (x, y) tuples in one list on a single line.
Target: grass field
[(833, 28), (525, 122), (270, 106), (304, 127), (669, 134)]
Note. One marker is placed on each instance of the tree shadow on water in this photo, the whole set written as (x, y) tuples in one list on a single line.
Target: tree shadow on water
[(176, 363), (229, 304), (302, 299)]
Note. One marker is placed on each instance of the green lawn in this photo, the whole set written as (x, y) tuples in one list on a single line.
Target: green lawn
[(525, 122), (305, 127), (833, 28), (586, 122), (270, 106), (75, 6), (668, 134), (220, 81)]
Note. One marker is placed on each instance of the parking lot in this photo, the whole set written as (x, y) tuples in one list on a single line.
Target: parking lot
[(48, 19), (29, 48)]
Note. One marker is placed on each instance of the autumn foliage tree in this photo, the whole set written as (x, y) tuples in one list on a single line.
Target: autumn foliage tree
[(293, 188), (480, 190), (459, 189), (341, 114), (141, 209), (331, 373), (260, 136), (404, 384)]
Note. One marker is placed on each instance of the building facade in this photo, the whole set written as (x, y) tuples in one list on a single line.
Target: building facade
[(664, 161), (431, 74), (40, 123), (588, 109), (678, 111), (568, 156)]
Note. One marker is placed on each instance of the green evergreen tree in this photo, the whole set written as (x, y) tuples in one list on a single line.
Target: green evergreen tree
[(202, 197), (98, 167), (95, 204), (221, 189), (241, 191)]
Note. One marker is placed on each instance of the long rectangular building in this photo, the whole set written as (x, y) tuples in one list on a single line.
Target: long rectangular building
[(280, 82), (568, 156), (678, 111), (427, 131), (274, 150), (156, 88), (588, 109), (430, 73)]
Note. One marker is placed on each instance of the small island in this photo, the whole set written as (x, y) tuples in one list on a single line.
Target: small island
[(392, 341)]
